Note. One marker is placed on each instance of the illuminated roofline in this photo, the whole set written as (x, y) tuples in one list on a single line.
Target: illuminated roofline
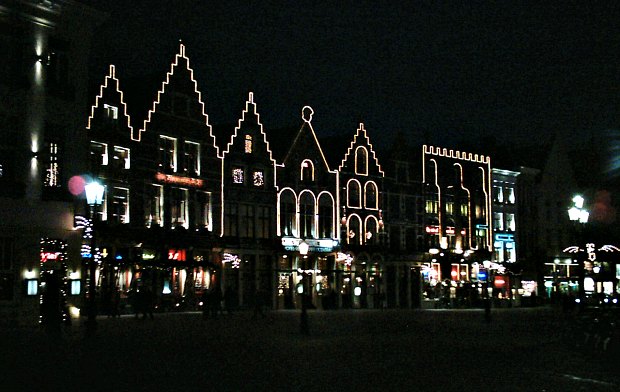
[(361, 130), (111, 75), (308, 120), (249, 102), (173, 65), (449, 153)]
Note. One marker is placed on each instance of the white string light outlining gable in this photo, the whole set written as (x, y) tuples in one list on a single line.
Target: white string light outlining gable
[(111, 76), (173, 66), (361, 132)]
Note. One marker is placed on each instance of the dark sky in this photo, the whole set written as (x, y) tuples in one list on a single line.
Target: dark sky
[(448, 70)]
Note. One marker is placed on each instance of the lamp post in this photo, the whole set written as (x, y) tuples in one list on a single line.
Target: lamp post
[(303, 321), (94, 198), (578, 214)]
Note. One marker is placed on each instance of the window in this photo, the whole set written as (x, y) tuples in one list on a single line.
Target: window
[(511, 195), (120, 160), (231, 227), (307, 170), (179, 207), (119, 205), (98, 154), (361, 161), (498, 221), (167, 154), (326, 217), (354, 227), (510, 222), (238, 175), (263, 229), (450, 207), (370, 236), (498, 194), (432, 206), (76, 287), (464, 210), (258, 178), (246, 224), (354, 195), (192, 158), (306, 215), (154, 206), (204, 213), (32, 287), (248, 144), (498, 247), (111, 112), (287, 213), (52, 169), (370, 196)]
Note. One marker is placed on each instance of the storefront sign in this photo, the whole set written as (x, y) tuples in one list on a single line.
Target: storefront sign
[(432, 229), (177, 254), (178, 180)]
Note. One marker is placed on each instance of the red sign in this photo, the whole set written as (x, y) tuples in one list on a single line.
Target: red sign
[(432, 229), (187, 181), (500, 282), (450, 230), (177, 254), (45, 256)]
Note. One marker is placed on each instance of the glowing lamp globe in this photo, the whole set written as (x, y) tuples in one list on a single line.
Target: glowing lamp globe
[(94, 193), (303, 248)]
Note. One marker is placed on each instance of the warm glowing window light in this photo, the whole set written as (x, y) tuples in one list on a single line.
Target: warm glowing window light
[(248, 144)]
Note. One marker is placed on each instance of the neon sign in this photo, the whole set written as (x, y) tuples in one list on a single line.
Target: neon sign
[(177, 254), (187, 181), (432, 229), (46, 256)]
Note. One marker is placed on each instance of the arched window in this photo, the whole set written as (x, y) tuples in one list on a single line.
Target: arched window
[(354, 195), (287, 213), (361, 161), (354, 230), (370, 196), (326, 216), (371, 231), (306, 215), (307, 170)]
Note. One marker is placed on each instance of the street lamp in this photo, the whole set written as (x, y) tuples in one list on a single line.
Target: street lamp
[(303, 321), (94, 198), (578, 214)]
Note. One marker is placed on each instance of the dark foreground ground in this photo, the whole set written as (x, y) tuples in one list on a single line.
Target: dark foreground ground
[(357, 350)]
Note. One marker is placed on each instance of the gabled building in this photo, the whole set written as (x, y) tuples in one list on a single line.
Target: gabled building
[(362, 231), (307, 203), (249, 206)]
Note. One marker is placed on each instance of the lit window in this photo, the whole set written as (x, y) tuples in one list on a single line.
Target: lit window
[(307, 170), (111, 112), (510, 222), (75, 287), (204, 202), (192, 158), (98, 154), (1, 170), (259, 179), (168, 153), (120, 205), (154, 206), (179, 207), (121, 158), (237, 175), (32, 287), (248, 144), (511, 195)]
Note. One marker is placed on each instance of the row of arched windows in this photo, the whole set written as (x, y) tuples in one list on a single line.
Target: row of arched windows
[(354, 195), (306, 216), (355, 234)]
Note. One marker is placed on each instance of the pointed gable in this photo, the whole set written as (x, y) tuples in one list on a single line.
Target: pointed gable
[(111, 94), (350, 160), (306, 141), (250, 119), (179, 80)]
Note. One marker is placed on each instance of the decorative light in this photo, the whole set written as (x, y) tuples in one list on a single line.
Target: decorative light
[(303, 248)]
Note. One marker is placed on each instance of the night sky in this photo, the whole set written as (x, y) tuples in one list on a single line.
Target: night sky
[(447, 71)]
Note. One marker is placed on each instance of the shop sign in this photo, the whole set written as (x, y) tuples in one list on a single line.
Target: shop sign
[(432, 229), (500, 282), (148, 254), (177, 254), (178, 180), (47, 256)]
